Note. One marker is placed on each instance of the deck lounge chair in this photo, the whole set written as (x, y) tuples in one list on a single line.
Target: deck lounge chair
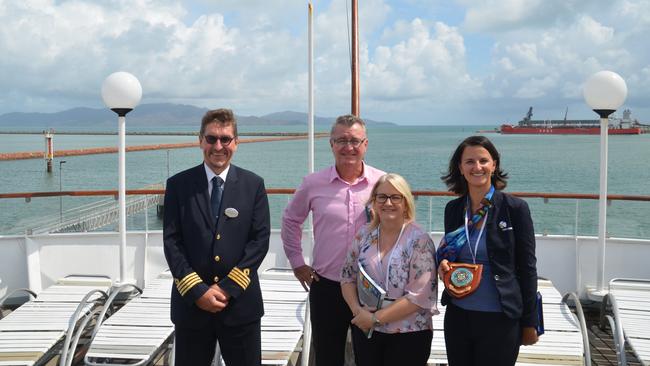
[(34, 332), (285, 303), (627, 310), (139, 332), (563, 343)]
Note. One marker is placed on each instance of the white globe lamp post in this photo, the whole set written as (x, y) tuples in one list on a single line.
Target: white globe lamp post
[(121, 92), (604, 92)]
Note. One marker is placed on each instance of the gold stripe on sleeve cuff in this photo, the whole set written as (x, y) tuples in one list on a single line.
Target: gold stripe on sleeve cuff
[(187, 279), (184, 285), (238, 281), (242, 274), (187, 285), (188, 282), (190, 285), (239, 278), (239, 271)]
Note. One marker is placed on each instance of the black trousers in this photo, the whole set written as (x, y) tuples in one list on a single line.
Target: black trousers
[(330, 320), (480, 338), (411, 348), (240, 345)]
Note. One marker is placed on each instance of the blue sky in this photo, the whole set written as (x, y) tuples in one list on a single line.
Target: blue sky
[(422, 61)]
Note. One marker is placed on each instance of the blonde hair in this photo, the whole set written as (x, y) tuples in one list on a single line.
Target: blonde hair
[(400, 184)]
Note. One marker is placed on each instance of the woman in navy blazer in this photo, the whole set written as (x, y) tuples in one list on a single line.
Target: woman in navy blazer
[(488, 326)]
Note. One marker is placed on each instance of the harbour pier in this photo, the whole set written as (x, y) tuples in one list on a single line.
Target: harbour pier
[(112, 150)]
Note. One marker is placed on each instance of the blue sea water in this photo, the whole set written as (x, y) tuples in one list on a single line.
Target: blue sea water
[(535, 163)]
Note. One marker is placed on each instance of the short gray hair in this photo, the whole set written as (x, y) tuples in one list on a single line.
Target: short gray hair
[(347, 120)]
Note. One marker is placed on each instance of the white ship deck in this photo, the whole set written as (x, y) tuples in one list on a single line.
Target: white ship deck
[(36, 261)]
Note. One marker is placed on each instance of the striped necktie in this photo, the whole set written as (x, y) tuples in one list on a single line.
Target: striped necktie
[(215, 198)]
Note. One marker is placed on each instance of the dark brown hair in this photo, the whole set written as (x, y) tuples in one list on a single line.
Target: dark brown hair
[(222, 116), (454, 179)]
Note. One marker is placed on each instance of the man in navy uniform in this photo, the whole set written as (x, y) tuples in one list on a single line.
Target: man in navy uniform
[(216, 234)]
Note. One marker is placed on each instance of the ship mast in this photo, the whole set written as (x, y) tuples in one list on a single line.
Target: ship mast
[(355, 58), (310, 86)]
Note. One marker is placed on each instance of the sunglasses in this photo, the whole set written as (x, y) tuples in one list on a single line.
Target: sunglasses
[(225, 140)]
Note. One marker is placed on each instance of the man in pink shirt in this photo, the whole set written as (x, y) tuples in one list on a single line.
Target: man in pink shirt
[(337, 198)]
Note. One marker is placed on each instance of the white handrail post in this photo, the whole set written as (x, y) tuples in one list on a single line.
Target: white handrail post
[(604, 92), (306, 337), (602, 204), (122, 195)]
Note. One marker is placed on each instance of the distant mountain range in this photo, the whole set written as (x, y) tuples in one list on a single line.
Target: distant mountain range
[(150, 115)]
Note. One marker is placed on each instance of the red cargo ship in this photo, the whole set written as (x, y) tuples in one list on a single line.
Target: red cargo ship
[(623, 126)]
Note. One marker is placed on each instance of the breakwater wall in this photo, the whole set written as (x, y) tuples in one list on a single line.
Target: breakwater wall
[(113, 150)]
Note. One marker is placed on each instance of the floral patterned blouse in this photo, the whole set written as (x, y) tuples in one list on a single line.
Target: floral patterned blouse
[(412, 273)]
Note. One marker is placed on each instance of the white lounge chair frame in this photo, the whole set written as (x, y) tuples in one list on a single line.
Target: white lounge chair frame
[(30, 335), (563, 343), (137, 333), (283, 323), (12, 294), (626, 308)]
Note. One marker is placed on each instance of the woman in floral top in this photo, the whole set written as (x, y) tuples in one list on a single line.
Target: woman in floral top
[(399, 256)]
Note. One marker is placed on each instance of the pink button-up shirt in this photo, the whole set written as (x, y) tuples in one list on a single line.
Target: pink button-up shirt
[(338, 209)]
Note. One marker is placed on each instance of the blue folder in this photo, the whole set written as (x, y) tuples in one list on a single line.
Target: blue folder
[(540, 315)]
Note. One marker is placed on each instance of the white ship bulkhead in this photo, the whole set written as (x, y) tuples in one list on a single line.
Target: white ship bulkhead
[(37, 261)]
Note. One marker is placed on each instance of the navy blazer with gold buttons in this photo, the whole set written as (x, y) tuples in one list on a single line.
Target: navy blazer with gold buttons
[(200, 253), (510, 245)]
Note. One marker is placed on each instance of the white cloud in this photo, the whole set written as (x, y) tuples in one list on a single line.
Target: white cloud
[(551, 65), (69, 47), (506, 64), (502, 16), (639, 11), (427, 64), (252, 56), (525, 55), (594, 31), (497, 14), (536, 88)]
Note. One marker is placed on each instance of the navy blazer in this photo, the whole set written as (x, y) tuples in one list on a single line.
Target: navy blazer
[(200, 253), (510, 240)]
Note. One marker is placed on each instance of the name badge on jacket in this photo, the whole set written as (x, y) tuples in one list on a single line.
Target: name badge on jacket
[(504, 226)]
